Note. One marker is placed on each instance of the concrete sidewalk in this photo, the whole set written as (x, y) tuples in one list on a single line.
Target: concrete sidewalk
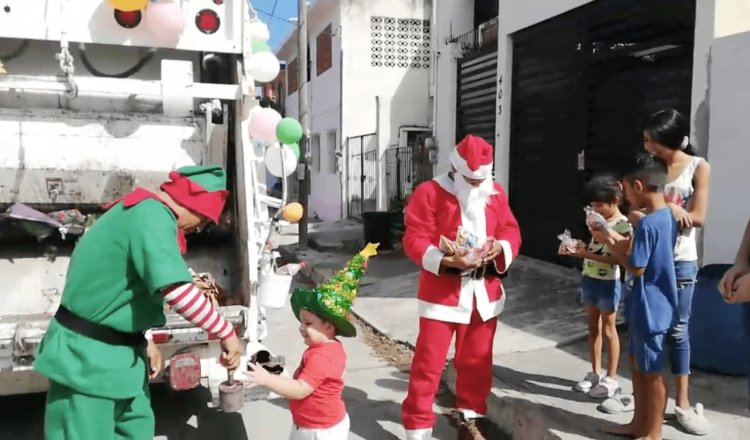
[(540, 350)]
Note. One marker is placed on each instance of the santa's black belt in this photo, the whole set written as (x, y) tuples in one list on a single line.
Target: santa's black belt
[(478, 274), (95, 331)]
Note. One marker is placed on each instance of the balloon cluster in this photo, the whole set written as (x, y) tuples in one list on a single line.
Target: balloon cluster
[(263, 64), (164, 19), (267, 125)]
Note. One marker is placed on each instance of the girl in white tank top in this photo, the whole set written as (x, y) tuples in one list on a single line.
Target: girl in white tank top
[(665, 135)]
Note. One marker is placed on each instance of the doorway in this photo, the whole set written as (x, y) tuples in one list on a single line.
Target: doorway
[(583, 83)]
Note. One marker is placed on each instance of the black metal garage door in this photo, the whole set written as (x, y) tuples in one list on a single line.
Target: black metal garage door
[(477, 90), (582, 84)]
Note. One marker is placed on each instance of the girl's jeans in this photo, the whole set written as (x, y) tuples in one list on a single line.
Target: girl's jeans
[(679, 336)]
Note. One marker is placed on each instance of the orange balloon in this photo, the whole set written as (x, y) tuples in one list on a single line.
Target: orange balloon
[(292, 212), (128, 5)]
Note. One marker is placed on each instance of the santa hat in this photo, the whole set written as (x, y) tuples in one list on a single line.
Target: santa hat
[(201, 189), (473, 157)]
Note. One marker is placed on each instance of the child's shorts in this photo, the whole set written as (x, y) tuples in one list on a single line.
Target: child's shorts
[(648, 350), (339, 431), (602, 294)]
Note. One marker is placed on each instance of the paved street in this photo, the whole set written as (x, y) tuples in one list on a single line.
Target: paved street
[(373, 395)]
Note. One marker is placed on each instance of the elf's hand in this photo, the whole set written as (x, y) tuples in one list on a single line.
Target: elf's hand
[(155, 362)]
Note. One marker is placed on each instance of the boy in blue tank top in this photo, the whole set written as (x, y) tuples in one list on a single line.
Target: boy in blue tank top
[(651, 302)]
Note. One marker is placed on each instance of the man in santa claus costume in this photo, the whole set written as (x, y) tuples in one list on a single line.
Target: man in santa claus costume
[(458, 294)]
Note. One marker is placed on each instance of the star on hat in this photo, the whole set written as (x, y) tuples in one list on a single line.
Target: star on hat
[(473, 157)]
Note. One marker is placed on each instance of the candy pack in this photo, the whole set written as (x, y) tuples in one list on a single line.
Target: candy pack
[(466, 243), (594, 220), (568, 243)]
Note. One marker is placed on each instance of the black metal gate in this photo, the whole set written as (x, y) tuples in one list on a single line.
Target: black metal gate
[(583, 82), (406, 168), (477, 93), (362, 168)]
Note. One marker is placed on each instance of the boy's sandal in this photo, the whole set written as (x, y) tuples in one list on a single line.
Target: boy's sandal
[(618, 404)]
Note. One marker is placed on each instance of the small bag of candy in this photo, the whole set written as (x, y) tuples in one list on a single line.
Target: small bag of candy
[(594, 220), (568, 244)]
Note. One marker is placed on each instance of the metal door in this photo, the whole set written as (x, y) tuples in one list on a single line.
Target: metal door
[(362, 163), (583, 82)]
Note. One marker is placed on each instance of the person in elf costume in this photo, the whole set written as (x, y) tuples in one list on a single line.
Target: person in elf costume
[(95, 352), (458, 294), (314, 391)]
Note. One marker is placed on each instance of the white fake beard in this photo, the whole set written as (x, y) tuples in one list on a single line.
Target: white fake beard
[(473, 199)]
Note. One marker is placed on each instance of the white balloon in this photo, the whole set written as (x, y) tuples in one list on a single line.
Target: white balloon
[(259, 30), (273, 160), (264, 66)]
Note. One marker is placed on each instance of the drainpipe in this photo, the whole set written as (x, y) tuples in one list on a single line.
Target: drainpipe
[(344, 158), (378, 168)]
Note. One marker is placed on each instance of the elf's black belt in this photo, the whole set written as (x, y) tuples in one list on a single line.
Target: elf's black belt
[(95, 331)]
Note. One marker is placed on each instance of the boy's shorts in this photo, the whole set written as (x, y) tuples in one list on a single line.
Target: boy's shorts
[(648, 350), (602, 294)]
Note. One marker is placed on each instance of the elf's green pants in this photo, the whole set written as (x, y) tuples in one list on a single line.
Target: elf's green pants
[(70, 415)]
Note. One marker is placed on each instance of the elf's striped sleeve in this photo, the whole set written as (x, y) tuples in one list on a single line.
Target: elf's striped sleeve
[(192, 304)]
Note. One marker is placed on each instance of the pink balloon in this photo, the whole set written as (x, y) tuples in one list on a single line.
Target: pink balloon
[(166, 21), (263, 124)]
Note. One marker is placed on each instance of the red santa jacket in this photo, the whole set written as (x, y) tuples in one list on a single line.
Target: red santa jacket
[(433, 210)]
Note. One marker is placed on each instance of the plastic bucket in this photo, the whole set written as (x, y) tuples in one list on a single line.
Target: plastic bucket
[(273, 290), (716, 340)]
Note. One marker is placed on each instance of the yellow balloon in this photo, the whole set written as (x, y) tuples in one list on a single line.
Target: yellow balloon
[(292, 212), (128, 5)]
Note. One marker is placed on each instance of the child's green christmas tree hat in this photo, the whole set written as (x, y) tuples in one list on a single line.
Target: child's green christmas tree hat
[(332, 300)]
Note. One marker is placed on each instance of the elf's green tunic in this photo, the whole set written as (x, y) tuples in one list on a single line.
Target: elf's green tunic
[(116, 273)]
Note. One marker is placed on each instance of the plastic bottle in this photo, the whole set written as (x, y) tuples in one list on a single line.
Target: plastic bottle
[(290, 269)]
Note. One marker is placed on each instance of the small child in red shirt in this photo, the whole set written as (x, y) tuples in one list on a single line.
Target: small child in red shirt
[(314, 391)]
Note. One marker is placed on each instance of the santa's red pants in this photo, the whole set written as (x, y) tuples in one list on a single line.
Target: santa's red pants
[(473, 364)]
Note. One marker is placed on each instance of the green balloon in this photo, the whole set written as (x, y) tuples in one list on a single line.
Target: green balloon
[(295, 148), (288, 131), (260, 46)]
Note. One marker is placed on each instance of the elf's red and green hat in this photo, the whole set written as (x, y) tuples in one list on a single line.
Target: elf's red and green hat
[(201, 189), (332, 300)]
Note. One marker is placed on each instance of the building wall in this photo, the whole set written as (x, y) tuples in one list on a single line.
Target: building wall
[(325, 199), (719, 98), (402, 93), (727, 95), (451, 18)]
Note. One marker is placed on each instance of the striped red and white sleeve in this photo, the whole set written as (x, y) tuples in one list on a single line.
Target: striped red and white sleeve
[(192, 304)]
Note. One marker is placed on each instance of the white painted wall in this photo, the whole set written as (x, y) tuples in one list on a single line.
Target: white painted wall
[(728, 130), (403, 93), (324, 90), (451, 18)]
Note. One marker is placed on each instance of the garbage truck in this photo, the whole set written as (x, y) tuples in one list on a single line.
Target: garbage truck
[(94, 102)]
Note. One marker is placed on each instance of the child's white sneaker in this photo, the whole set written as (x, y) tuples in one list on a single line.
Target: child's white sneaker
[(693, 420), (591, 380), (606, 388)]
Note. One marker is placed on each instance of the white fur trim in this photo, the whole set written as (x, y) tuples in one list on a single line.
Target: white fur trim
[(431, 260), (507, 253), (419, 434), (470, 414), (149, 335), (461, 313), (446, 183), (462, 167)]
